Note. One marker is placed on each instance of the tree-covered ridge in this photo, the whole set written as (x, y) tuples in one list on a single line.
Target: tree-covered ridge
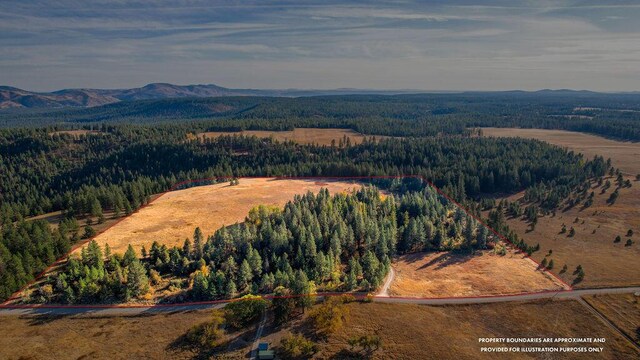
[(118, 171), (62, 173), (610, 115), (318, 242)]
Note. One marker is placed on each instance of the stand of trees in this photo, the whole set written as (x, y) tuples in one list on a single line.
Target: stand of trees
[(610, 115), (340, 242), (118, 170)]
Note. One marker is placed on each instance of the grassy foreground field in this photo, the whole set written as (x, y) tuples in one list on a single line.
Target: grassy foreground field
[(173, 217), (406, 331), (621, 309), (299, 135), (445, 274), (624, 155)]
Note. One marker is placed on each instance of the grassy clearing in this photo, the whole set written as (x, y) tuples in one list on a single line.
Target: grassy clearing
[(299, 135), (173, 217), (445, 274), (624, 155), (605, 262), (621, 309)]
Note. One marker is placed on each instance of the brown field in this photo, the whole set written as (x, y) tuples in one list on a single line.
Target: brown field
[(452, 332), (173, 217), (624, 155), (621, 309), (299, 135), (605, 263), (153, 336), (445, 274), (407, 332)]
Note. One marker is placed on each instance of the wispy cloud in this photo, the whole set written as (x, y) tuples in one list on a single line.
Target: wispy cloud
[(454, 44)]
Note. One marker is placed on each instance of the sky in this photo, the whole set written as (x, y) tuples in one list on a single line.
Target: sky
[(427, 45)]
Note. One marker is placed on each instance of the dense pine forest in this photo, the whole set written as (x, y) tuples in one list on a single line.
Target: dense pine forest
[(117, 167), (610, 115)]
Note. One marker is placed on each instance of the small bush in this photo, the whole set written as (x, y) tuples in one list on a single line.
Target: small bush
[(207, 335), (296, 347), (240, 313), (366, 344)]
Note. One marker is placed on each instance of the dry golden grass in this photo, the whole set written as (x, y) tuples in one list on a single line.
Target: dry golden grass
[(445, 274), (299, 135), (605, 263), (154, 336), (621, 309), (624, 155), (173, 217), (407, 332), (452, 332)]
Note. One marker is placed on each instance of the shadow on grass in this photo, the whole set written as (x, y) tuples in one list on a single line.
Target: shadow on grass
[(447, 259), (347, 354), (235, 342)]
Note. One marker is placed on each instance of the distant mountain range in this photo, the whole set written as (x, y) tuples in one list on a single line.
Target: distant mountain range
[(11, 97)]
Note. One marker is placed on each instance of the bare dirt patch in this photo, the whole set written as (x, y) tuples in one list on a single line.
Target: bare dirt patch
[(173, 217), (605, 262), (624, 155), (299, 135), (447, 274)]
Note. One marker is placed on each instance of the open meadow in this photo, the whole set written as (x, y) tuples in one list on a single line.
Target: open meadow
[(593, 246), (606, 262), (298, 135), (406, 332), (447, 274), (621, 309), (624, 155), (174, 216)]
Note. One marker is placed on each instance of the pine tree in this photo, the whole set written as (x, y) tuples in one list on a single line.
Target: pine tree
[(245, 275), (137, 280), (129, 256), (302, 289), (198, 242), (283, 305)]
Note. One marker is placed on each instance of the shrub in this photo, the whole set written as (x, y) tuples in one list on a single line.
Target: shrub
[(330, 316), (244, 311), (367, 344), (207, 334), (296, 347)]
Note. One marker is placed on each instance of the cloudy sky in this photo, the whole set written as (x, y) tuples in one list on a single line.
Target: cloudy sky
[(430, 45)]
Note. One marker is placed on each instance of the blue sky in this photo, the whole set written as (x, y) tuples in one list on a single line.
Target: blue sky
[(430, 45)]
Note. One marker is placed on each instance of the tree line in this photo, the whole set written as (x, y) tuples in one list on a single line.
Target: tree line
[(318, 242)]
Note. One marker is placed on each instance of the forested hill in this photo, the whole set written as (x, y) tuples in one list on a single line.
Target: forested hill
[(610, 115)]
